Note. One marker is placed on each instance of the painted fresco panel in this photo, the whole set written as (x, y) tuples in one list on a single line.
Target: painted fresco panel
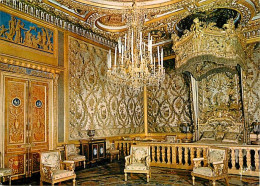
[(25, 33)]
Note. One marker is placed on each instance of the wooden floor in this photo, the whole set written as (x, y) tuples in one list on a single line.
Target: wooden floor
[(113, 174)]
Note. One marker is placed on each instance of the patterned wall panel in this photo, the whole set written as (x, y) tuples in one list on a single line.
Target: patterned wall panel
[(252, 86), (169, 106), (96, 103), (220, 102)]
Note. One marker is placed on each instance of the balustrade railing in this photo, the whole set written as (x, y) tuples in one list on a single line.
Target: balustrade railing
[(242, 159)]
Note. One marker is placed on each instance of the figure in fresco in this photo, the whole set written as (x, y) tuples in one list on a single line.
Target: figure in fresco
[(18, 37), (12, 24), (44, 39), (34, 42), (28, 36), (39, 39), (3, 30), (49, 44)]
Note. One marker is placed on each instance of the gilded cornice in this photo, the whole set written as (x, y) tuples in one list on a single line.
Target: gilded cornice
[(28, 64), (167, 13), (58, 18)]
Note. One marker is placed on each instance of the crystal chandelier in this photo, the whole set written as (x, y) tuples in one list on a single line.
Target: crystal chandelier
[(135, 63)]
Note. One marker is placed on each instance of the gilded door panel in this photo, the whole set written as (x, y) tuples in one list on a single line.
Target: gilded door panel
[(38, 100), (17, 162), (16, 123)]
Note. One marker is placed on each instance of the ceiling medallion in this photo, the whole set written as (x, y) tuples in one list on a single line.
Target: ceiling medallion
[(135, 64)]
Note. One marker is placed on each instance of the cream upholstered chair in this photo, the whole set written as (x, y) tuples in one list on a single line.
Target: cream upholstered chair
[(52, 168), (217, 165), (72, 153), (111, 150), (5, 172), (138, 161)]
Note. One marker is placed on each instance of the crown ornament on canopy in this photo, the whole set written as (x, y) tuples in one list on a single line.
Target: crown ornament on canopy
[(207, 42), (135, 63)]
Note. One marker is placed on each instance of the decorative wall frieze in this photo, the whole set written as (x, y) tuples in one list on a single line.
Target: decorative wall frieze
[(56, 19), (12, 64), (26, 33)]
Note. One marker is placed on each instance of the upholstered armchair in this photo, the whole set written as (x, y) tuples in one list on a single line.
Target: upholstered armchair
[(53, 170), (216, 165), (112, 151), (138, 161), (72, 153), (5, 172)]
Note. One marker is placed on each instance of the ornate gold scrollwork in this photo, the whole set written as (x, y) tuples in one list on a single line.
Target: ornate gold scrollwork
[(206, 42)]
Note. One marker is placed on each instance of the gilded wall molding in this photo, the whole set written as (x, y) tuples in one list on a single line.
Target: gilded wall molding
[(22, 64)]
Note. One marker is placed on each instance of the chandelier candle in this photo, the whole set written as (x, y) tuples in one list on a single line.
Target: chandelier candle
[(138, 67)]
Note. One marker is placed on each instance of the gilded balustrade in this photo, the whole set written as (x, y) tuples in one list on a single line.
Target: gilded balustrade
[(243, 159)]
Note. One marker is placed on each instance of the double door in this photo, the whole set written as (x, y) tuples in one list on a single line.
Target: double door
[(26, 118)]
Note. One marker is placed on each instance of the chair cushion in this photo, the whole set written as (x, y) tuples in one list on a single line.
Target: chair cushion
[(216, 155), (77, 158), (58, 174), (136, 166), (114, 151), (5, 171), (231, 137), (205, 171), (208, 135)]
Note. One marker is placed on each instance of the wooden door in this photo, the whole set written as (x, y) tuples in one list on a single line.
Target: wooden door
[(26, 124), (16, 124), (39, 120)]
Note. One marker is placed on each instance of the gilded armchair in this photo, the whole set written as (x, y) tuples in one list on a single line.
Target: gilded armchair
[(138, 161), (5, 172), (72, 153), (217, 165), (53, 170), (112, 151)]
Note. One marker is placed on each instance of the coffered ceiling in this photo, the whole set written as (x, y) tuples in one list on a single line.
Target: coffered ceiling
[(106, 17)]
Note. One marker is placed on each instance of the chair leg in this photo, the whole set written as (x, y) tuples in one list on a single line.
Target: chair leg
[(193, 180), (148, 175), (214, 183), (226, 180), (74, 182), (41, 182), (125, 176), (10, 179), (118, 156), (84, 164)]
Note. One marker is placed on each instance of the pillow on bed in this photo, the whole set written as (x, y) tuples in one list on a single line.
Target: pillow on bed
[(208, 135), (230, 137)]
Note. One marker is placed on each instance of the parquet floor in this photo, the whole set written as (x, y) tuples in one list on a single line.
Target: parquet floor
[(113, 174)]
